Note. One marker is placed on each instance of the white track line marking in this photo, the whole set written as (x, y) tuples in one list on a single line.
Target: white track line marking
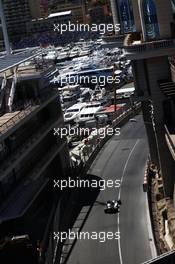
[(119, 196)]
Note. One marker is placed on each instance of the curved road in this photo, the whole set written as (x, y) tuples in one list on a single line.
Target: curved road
[(124, 158)]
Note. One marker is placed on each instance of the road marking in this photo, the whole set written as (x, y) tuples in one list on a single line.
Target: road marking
[(119, 196)]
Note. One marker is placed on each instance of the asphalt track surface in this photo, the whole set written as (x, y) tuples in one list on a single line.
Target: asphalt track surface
[(124, 158)]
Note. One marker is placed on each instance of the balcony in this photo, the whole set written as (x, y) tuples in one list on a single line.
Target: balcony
[(18, 155), (170, 139), (35, 71), (136, 49), (21, 198), (11, 121)]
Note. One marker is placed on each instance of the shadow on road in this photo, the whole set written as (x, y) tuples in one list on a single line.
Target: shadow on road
[(76, 213)]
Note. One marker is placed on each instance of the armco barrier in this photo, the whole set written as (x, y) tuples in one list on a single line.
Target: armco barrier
[(166, 258), (119, 121), (146, 177)]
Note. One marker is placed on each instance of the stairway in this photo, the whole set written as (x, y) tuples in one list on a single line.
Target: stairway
[(167, 88)]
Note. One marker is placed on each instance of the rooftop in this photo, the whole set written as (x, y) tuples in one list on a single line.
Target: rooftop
[(60, 14), (10, 61), (10, 120)]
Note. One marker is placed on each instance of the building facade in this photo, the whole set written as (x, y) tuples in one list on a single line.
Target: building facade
[(77, 7), (31, 156), (36, 9), (17, 14), (99, 12), (1, 40), (150, 48), (122, 11), (46, 24)]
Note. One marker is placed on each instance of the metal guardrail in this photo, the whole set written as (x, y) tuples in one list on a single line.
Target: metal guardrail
[(82, 170), (16, 118), (30, 107), (147, 46), (164, 256), (170, 139), (88, 159)]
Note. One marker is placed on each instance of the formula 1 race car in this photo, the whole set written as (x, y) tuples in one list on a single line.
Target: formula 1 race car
[(112, 207)]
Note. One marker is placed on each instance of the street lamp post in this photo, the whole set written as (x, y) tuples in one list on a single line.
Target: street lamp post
[(4, 29)]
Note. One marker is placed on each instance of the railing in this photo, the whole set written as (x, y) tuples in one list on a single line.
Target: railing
[(25, 147), (17, 118), (29, 108), (168, 258), (171, 143), (82, 169), (129, 45), (88, 152)]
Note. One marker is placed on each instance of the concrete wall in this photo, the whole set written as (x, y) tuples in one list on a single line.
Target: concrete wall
[(136, 15), (141, 82), (148, 73), (165, 17)]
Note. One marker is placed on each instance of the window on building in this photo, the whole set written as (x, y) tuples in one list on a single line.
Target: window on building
[(150, 19), (126, 15)]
